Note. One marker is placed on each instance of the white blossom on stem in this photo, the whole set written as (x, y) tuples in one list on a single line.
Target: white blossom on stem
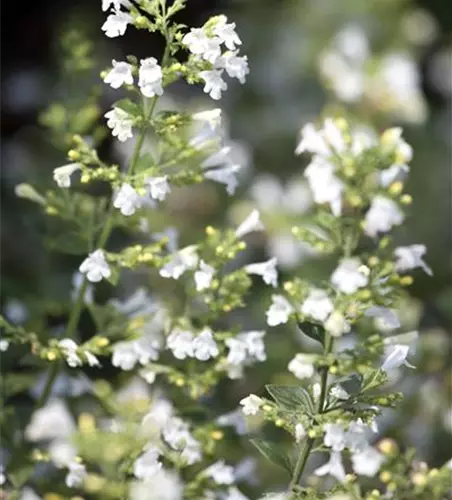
[(95, 267), (235, 66), (116, 24), (180, 342), (214, 83), (317, 305), (302, 366), (120, 74), (410, 257), (382, 215), (150, 77), (386, 318), (367, 462), (69, 348), (204, 275), (121, 124), (127, 200), (147, 464), (350, 276), (158, 187), (220, 473), (265, 269), (76, 475), (396, 356), (250, 224), (334, 467), (226, 33), (183, 260), (251, 404), (279, 311), (225, 175), (204, 345), (62, 175)]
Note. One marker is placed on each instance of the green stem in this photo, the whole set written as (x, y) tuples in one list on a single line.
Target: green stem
[(306, 450)]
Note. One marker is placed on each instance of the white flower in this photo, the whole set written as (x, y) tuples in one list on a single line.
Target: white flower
[(336, 324), (204, 346), (234, 419), (77, 282), (334, 135), (349, 276), (147, 464), (254, 344), (124, 355), (127, 354), (237, 351), (339, 393), (392, 139), (302, 366), (52, 421), (226, 33), (120, 74), (158, 187), (163, 485), (265, 269), (4, 344), (382, 215), (76, 475), (355, 437), (250, 224), (316, 391), (62, 452), (200, 44), (183, 260), (410, 257), (317, 305), (225, 175), (148, 374), (62, 175), (251, 404), (95, 267), (121, 124), (335, 436), (212, 117), (116, 4), (333, 467), (176, 434), (217, 158), (180, 342), (150, 77), (69, 348), (214, 83), (220, 473), (127, 200), (312, 141), (204, 276), (393, 173), (396, 356), (279, 311), (300, 432), (116, 24), (367, 462), (385, 317), (325, 186), (235, 66)]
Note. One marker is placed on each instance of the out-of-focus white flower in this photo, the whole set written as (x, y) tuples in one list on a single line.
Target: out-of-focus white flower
[(121, 124), (62, 452), (392, 140), (158, 187), (183, 260), (69, 348), (385, 317), (302, 366), (350, 275), (4, 344), (127, 354), (265, 269), (334, 467), (312, 141), (220, 473), (254, 344), (410, 257), (176, 433), (163, 485), (150, 77), (204, 345), (95, 267), (355, 437), (147, 464), (396, 356), (336, 324), (204, 276), (77, 281), (234, 419), (15, 311), (214, 83), (28, 494), (76, 475), (217, 158), (116, 24), (279, 311), (225, 175), (250, 224), (367, 462), (335, 436), (62, 175), (251, 404), (382, 215), (200, 44), (212, 117), (339, 393), (120, 74), (180, 342), (394, 173), (127, 200), (235, 66), (353, 43), (317, 305), (52, 421), (300, 432)]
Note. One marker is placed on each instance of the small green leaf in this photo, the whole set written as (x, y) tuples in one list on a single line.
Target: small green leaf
[(129, 107), (114, 276), (272, 452), (351, 384), (313, 331), (372, 379), (291, 397), (70, 243)]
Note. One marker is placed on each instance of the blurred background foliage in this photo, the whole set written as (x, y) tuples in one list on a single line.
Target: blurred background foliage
[(378, 62)]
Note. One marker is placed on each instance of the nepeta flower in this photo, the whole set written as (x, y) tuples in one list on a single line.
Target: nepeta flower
[(76, 475), (367, 462), (204, 276), (302, 366), (214, 83), (204, 346), (116, 24), (120, 74), (183, 260), (334, 467), (250, 224), (251, 404), (147, 464), (235, 66), (410, 257), (116, 4), (95, 267), (393, 173), (226, 32), (176, 434), (336, 324), (237, 351), (143, 350), (339, 393), (265, 269), (395, 357), (225, 175), (200, 44), (212, 117), (220, 473), (50, 422), (300, 432), (350, 276), (150, 77), (385, 317), (180, 342), (121, 123), (317, 305), (69, 348), (335, 436), (392, 139), (62, 175), (382, 215), (254, 344), (158, 187), (279, 311), (127, 200)]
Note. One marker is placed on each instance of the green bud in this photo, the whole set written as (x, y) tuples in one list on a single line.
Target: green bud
[(29, 192)]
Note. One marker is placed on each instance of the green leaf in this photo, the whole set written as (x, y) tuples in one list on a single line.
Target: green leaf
[(291, 397), (373, 378), (71, 243), (351, 384), (129, 107), (313, 331), (114, 276), (272, 452)]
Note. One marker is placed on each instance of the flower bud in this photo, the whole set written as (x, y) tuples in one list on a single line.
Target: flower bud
[(406, 199), (28, 192), (388, 447)]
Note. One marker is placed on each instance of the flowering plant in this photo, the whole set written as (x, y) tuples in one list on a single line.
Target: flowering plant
[(148, 430)]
